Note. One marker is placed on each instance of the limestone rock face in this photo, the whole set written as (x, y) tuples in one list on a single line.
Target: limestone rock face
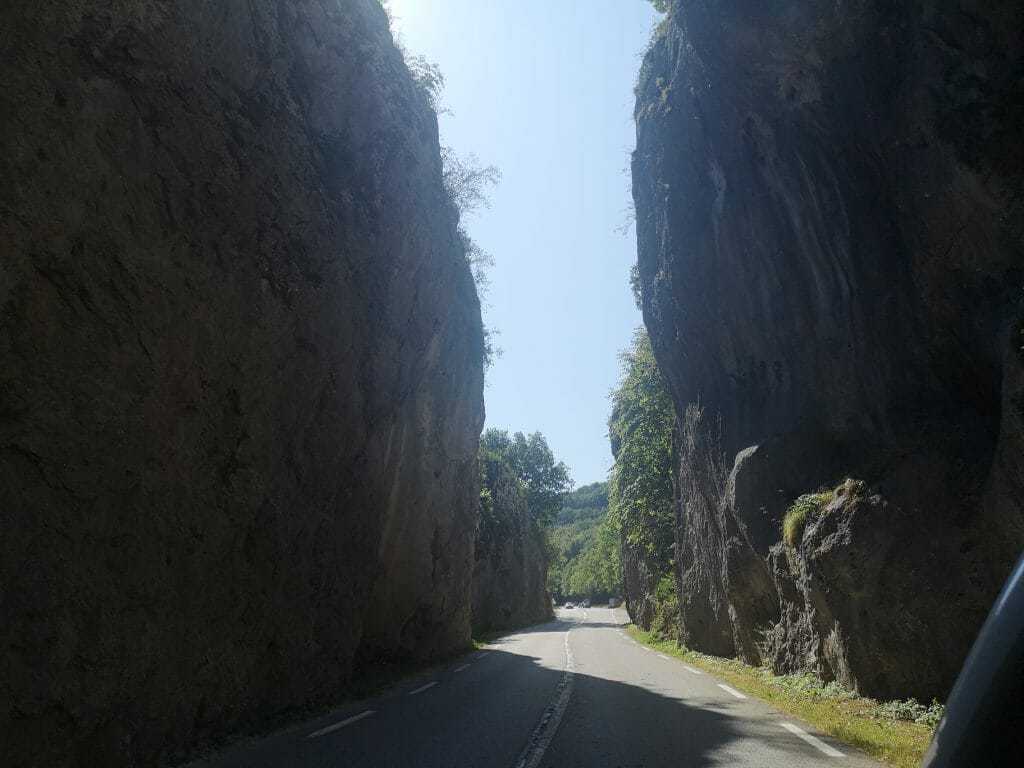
[(241, 386), (638, 584), (511, 570), (831, 259)]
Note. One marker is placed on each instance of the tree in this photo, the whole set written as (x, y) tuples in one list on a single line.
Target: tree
[(467, 182), (545, 480), (641, 501)]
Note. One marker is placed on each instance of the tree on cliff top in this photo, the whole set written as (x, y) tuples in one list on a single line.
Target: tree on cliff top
[(546, 481), (640, 493)]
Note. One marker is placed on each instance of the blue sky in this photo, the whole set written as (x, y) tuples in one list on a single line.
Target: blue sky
[(543, 89)]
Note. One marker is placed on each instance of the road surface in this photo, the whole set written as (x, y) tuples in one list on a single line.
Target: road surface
[(575, 692)]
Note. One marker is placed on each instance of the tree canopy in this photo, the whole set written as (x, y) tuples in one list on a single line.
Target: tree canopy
[(641, 498), (546, 481), (584, 547)]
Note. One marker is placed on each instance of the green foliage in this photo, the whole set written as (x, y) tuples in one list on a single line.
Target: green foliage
[(665, 624), (589, 502), (912, 711), (661, 6), (808, 506), (641, 498), (635, 286), (584, 547), (804, 509), (810, 685), (832, 709), (428, 78), (544, 480), (467, 183)]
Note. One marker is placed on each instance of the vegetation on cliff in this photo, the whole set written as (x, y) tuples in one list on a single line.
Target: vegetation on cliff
[(545, 480), (641, 498), (522, 490)]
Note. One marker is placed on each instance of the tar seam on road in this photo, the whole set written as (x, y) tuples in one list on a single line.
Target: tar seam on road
[(342, 724), (731, 691), (552, 717), (459, 669), (422, 688), (814, 741)]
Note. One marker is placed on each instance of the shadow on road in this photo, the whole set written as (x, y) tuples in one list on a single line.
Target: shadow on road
[(486, 719)]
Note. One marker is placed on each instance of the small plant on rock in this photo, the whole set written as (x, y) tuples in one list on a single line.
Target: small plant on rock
[(803, 510)]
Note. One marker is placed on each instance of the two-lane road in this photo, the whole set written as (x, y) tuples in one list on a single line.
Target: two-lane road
[(575, 692)]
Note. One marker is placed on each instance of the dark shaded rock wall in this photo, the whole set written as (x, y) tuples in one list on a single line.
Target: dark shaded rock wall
[(241, 386), (831, 256), (638, 584), (511, 571)]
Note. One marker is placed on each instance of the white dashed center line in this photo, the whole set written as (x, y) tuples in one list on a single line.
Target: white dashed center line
[(342, 724), (422, 688), (731, 691), (691, 669), (814, 741), (459, 669)]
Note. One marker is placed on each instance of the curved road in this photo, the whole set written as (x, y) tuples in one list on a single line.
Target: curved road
[(574, 692)]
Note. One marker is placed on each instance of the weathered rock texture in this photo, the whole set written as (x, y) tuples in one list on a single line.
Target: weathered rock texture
[(639, 582), (831, 259), (241, 385), (511, 572)]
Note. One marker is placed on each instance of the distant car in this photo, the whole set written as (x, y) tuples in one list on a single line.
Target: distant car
[(569, 605), (613, 603)]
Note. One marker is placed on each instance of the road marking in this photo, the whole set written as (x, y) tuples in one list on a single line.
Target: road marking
[(814, 741), (534, 750), (731, 691), (342, 724), (459, 669), (688, 668), (666, 658), (422, 688)]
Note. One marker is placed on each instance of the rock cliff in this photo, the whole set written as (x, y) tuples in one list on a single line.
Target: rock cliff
[(831, 260), (511, 571), (241, 387)]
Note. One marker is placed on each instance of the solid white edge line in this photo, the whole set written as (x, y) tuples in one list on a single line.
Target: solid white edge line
[(422, 688), (666, 658), (814, 741), (342, 724), (464, 666), (688, 668), (731, 691)]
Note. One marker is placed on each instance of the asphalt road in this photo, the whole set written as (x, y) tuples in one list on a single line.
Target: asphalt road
[(575, 692)]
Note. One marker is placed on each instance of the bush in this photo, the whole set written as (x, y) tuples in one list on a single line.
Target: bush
[(912, 711), (798, 515), (665, 624)]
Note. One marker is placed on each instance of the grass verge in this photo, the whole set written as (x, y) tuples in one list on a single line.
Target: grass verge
[(844, 715)]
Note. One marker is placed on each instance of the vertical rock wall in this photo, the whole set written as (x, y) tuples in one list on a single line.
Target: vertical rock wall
[(241, 386), (511, 571), (832, 264)]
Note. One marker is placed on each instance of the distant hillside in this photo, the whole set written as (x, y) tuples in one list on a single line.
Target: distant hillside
[(582, 547), (587, 503)]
